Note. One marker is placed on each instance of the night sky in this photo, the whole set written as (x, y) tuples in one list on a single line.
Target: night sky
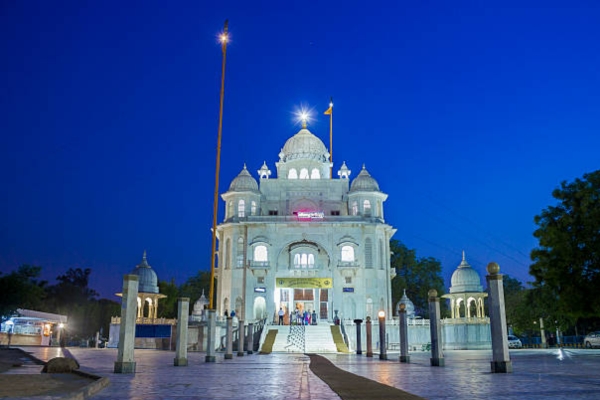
[(468, 113)]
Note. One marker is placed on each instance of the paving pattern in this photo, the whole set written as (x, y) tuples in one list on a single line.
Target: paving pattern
[(553, 373)]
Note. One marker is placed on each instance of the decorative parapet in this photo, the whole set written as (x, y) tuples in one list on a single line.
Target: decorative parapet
[(259, 264), (468, 321), (348, 264), (147, 321)]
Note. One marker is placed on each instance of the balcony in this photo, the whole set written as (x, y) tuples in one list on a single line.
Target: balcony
[(348, 264), (259, 264)]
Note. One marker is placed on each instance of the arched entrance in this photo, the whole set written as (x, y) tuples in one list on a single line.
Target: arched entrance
[(260, 308)]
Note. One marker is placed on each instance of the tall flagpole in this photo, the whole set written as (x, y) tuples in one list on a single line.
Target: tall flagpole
[(330, 113), (224, 39)]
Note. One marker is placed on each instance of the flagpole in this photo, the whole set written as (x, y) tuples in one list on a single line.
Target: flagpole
[(331, 138), (223, 38)]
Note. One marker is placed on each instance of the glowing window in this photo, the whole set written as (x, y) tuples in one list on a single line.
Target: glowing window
[(241, 208), (367, 207), (253, 208), (303, 173), (315, 174), (347, 253), (354, 208), (261, 254), (292, 174), (304, 260)]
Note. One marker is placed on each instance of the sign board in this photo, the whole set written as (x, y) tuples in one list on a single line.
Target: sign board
[(310, 215), (348, 290), (304, 283)]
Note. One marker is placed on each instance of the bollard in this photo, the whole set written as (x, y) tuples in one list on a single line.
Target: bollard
[(241, 337), (500, 356), (250, 343), (210, 337), (229, 339), (125, 363), (358, 339), (369, 341), (382, 346), (437, 357), (403, 326), (183, 310)]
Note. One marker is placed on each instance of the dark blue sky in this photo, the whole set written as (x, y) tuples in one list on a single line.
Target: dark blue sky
[(468, 114)]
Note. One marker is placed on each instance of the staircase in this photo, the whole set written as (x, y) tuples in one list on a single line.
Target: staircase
[(300, 339)]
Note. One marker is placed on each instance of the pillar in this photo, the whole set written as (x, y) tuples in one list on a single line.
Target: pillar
[(183, 311), (435, 328), (403, 324), (369, 340), (250, 338), (241, 337), (500, 356), (125, 363), (382, 345), (542, 333), (358, 338), (229, 338), (210, 337)]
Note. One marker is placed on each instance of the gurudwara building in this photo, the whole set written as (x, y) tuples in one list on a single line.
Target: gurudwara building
[(304, 240)]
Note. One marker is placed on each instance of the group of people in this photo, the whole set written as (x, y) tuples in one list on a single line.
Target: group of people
[(299, 317)]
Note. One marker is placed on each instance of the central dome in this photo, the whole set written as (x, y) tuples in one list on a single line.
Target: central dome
[(304, 145), (465, 279), (148, 281)]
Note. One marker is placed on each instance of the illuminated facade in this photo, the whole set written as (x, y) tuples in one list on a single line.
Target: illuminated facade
[(304, 240)]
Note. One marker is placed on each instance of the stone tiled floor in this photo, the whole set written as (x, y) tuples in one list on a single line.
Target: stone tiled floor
[(564, 374)]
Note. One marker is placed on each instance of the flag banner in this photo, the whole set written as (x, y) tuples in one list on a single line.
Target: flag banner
[(304, 283), (329, 111)]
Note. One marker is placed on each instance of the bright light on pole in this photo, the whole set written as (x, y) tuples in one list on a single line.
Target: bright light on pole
[(224, 38)]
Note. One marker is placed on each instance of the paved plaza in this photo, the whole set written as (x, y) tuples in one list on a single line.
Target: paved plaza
[(552, 373)]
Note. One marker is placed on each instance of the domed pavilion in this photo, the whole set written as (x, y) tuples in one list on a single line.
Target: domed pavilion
[(466, 293)]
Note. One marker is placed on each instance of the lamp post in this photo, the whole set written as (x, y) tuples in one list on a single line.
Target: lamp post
[(224, 38), (382, 349)]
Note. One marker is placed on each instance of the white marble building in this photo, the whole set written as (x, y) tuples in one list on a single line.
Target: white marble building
[(304, 240)]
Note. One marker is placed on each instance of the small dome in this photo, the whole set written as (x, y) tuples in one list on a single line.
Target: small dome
[(148, 281), (410, 307), (465, 279), (199, 305), (364, 182), (244, 182), (304, 145)]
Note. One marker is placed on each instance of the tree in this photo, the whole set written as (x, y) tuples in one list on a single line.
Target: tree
[(21, 289), (416, 275), (167, 307), (72, 297), (195, 285), (566, 264)]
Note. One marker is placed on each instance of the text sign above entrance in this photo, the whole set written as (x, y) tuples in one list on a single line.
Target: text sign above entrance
[(304, 283)]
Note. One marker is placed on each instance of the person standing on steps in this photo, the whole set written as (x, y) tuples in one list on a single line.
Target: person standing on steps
[(281, 314)]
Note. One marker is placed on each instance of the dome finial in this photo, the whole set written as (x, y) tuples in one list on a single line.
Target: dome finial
[(464, 259), (144, 256)]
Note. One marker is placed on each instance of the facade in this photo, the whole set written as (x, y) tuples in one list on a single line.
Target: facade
[(304, 240), (32, 328)]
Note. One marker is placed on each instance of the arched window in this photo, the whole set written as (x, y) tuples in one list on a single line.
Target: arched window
[(241, 208), (354, 208), (303, 173), (315, 174), (304, 260), (382, 260), (228, 253), (368, 253), (292, 174), (240, 253), (261, 254), (229, 209), (253, 208), (367, 208), (348, 254)]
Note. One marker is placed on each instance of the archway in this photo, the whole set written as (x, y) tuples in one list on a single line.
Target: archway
[(260, 308)]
